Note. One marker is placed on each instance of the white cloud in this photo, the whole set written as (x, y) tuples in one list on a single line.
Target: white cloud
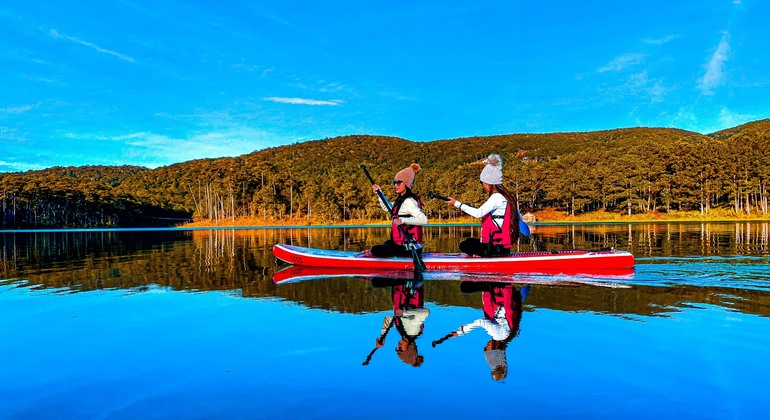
[(641, 85), (622, 62), (729, 119), (54, 33), (638, 86), (715, 69), (660, 41), (16, 110), (685, 119), (10, 134), (155, 150), (18, 166), (302, 101)]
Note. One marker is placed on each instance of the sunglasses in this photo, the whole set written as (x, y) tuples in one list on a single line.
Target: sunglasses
[(397, 182)]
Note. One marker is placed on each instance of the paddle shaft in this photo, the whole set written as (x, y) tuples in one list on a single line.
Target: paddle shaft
[(371, 353), (523, 227), (442, 339), (439, 196)]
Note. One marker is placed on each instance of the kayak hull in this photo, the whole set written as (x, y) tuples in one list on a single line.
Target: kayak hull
[(520, 262)]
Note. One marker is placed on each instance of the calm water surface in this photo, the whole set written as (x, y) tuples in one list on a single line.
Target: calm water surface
[(190, 324)]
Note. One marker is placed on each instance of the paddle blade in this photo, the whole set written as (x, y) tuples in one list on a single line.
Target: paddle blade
[(523, 226), (419, 265)]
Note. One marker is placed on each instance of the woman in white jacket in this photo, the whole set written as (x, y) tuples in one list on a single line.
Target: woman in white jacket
[(499, 214), (407, 216)]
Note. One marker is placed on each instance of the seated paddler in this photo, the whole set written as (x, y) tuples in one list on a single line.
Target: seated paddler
[(407, 216)]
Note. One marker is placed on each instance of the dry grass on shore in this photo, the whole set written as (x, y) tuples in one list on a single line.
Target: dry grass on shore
[(543, 216)]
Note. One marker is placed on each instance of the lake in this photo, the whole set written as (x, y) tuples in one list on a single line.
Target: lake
[(190, 324)]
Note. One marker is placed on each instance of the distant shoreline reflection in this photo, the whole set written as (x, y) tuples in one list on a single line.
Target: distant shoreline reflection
[(732, 254)]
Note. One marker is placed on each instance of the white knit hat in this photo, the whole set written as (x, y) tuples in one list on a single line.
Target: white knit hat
[(493, 172)]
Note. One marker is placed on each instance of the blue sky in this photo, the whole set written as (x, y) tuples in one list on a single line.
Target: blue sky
[(151, 83)]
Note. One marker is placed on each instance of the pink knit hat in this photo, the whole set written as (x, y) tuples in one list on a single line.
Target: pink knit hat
[(406, 175)]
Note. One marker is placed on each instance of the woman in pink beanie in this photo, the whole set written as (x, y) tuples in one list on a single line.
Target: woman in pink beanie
[(499, 214), (407, 212)]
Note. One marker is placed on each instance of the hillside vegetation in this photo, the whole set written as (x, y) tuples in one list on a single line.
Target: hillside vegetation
[(623, 171)]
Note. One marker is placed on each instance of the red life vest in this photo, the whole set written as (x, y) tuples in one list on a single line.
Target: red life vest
[(406, 298), (502, 296), (415, 232), (490, 233)]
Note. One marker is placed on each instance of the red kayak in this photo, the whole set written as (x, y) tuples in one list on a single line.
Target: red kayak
[(518, 262)]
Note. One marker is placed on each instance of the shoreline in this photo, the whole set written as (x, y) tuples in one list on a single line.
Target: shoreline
[(367, 224), (461, 222), (544, 219)]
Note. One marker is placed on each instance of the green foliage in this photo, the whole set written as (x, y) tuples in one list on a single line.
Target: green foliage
[(625, 171)]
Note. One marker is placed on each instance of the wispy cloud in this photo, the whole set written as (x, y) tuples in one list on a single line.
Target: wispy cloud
[(152, 150), (16, 110), (54, 33), (294, 27), (660, 41), (622, 62), (728, 118), (642, 85), (329, 87), (638, 86), (303, 101), (157, 150), (715, 69), (149, 149), (6, 166), (689, 119), (683, 118), (7, 133)]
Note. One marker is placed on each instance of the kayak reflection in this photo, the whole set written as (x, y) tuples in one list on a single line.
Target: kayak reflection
[(502, 309), (602, 277), (408, 319)]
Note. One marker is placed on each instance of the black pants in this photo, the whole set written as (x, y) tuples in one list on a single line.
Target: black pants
[(474, 246), (391, 249)]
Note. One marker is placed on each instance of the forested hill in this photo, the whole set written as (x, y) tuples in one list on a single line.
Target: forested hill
[(625, 171)]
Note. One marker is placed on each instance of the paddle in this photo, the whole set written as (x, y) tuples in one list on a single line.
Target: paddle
[(419, 265), (382, 337), (444, 338), (412, 285), (431, 194), (523, 226)]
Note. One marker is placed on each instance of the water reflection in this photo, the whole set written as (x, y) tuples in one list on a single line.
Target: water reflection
[(681, 239), (711, 263), (408, 319), (502, 311)]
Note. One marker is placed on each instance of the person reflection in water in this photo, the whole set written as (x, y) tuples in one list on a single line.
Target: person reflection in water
[(502, 308), (408, 318)]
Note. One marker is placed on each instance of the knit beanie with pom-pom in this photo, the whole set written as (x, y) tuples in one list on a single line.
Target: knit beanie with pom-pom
[(493, 172), (407, 174)]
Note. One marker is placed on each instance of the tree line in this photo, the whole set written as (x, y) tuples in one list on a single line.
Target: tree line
[(625, 171)]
